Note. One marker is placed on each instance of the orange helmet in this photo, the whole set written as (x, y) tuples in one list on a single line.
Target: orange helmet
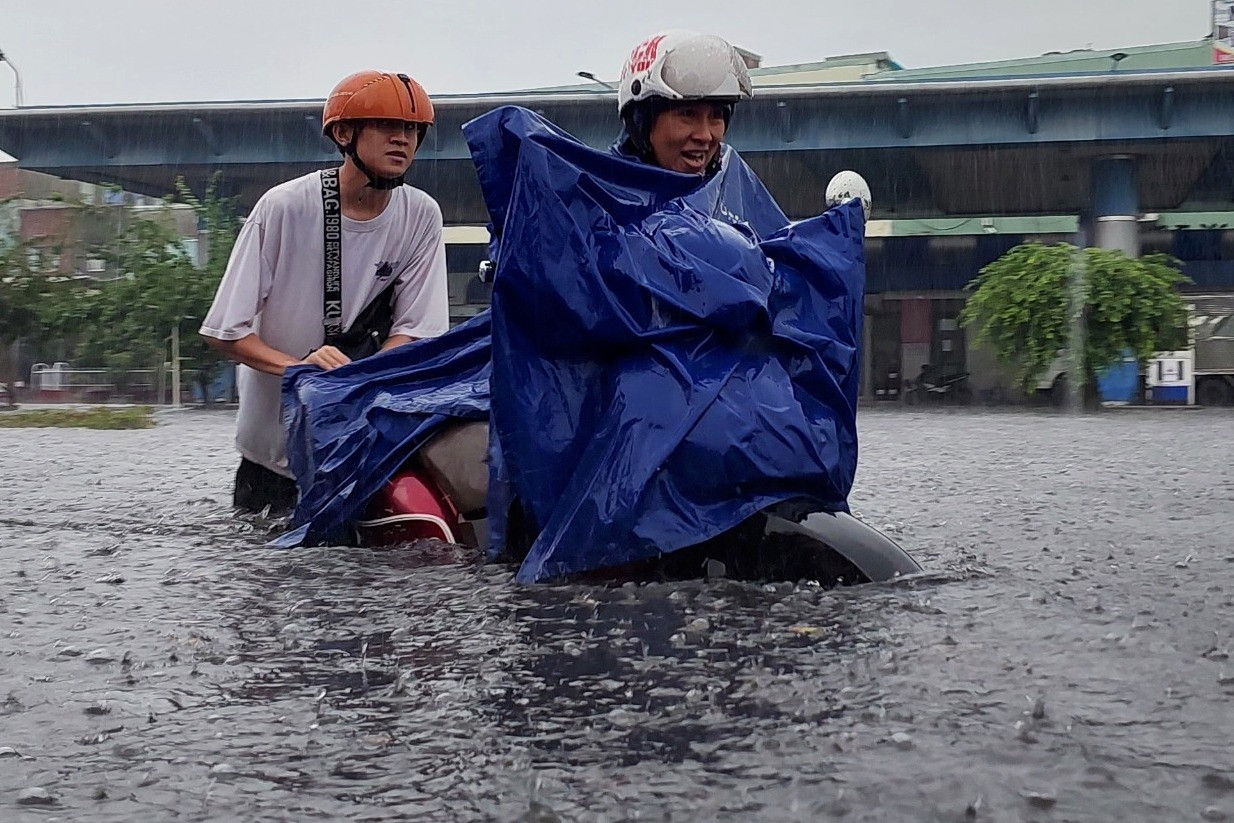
[(377, 95)]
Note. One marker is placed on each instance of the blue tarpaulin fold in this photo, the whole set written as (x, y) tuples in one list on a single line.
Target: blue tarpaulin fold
[(665, 356), (350, 429)]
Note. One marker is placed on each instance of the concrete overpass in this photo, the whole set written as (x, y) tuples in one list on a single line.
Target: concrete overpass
[(1102, 145)]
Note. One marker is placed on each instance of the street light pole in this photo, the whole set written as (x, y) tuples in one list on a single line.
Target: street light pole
[(586, 75), (17, 95)]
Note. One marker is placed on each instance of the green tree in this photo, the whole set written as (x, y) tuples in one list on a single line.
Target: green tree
[(1024, 306), (159, 288), (19, 292), (27, 296), (123, 323), (218, 222), (162, 288), (218, 219)]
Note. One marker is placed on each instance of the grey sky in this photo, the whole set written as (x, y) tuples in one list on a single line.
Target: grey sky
[(110, 51)]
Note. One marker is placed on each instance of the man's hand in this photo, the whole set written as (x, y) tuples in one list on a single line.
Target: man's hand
[(327, 357)]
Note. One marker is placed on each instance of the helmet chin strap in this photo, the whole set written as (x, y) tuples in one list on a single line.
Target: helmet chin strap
[(374, 181)]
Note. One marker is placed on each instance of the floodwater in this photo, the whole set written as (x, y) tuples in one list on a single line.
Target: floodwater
[(1064, 658)]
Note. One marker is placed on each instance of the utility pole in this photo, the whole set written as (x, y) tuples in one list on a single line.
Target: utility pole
[(175, 366), (1077, 294)]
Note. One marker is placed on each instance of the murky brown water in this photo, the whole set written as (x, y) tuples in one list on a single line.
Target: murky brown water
[(1065, 658)]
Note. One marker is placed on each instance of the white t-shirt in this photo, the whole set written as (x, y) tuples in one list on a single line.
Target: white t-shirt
[(273, 287)]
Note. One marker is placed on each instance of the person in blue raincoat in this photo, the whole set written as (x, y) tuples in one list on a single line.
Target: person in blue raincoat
[(676, 99)]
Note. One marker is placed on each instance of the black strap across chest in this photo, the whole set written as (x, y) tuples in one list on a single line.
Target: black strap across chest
[(332, 206)]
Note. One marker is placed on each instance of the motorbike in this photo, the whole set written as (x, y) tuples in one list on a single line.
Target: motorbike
[(441, 493), (437, 496), (938, 388)]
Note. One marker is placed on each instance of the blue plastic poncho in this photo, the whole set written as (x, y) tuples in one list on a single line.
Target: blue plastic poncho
[(669, 356)]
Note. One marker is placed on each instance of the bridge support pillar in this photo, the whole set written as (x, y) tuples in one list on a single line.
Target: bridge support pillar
[(1113, 224), (1115, 205)]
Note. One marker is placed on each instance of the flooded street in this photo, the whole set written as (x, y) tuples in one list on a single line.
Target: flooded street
[(1064, 658)]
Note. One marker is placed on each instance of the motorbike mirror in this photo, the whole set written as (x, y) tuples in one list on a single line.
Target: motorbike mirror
[(846, 186)]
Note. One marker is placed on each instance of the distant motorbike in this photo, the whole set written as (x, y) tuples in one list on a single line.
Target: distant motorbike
[(939, 389)]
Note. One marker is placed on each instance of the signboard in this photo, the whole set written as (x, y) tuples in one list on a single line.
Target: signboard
[(1169, 377), (1223, 31)]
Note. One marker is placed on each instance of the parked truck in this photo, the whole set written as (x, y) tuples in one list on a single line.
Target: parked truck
[(1210, 318)]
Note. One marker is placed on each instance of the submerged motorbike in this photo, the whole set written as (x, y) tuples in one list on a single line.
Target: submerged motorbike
[(439, 495), (442, 493)]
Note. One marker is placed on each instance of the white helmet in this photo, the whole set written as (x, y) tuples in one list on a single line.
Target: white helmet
[(684, 65)]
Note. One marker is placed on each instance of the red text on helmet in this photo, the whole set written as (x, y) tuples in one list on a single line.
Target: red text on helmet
[(643, 56)]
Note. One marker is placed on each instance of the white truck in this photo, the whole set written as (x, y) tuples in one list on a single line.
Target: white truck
[(1211, 322), (1210, 318)]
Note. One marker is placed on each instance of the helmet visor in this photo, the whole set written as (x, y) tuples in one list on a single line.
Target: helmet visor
[(706, 67)]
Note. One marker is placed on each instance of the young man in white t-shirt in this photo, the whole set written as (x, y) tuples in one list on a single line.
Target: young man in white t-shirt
[(269, 312)]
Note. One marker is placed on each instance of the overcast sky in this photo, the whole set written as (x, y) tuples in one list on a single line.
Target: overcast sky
[(114, 51)]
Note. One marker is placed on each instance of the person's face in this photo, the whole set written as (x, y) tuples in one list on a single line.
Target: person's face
[(687, 137), (387, 147)]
